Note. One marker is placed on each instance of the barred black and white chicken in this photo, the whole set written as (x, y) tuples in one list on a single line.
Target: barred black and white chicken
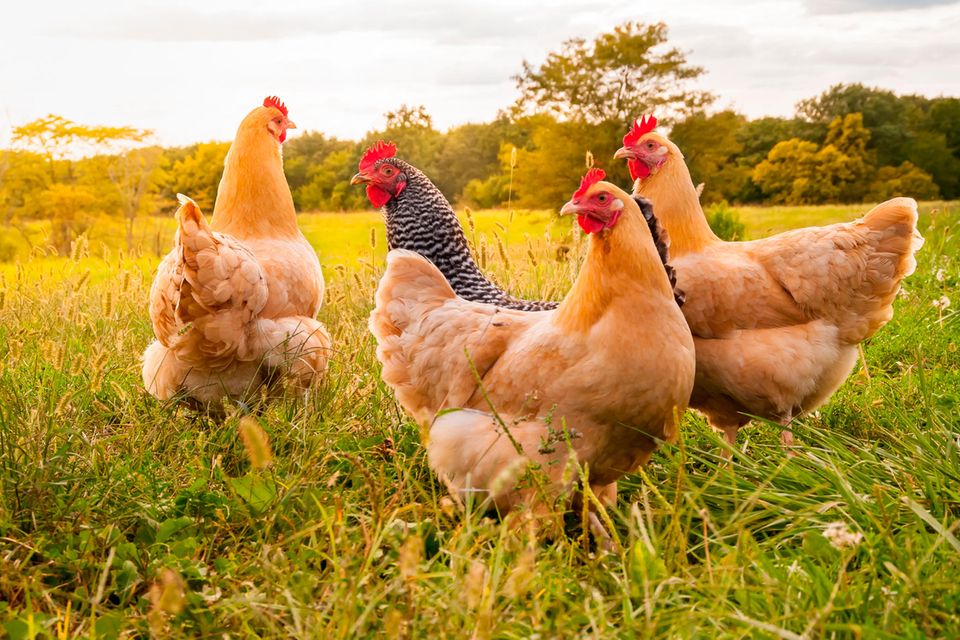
[(420, 219)]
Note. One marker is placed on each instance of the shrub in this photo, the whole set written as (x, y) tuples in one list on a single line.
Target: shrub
[(724, 221)]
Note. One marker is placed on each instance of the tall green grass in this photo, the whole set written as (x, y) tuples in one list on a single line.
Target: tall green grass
[(124, 517)]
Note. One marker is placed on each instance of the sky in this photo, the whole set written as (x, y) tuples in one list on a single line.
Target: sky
[(190, 70)]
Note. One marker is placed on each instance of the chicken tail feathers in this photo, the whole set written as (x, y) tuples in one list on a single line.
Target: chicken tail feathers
[(193, 233), (896, 222), (220, 289), (893, 241), (410, 287)]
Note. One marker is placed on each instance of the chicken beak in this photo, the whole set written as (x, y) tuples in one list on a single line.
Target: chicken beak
[(291, 124), (360, 178), (569, 208), (623, 152)]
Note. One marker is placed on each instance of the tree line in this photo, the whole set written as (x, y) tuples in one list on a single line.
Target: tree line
[(850, 144)]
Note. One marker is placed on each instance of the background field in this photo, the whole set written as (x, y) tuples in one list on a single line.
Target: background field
[(120, 516)]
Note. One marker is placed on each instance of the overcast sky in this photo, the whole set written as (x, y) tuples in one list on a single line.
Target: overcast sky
[(191, 70)]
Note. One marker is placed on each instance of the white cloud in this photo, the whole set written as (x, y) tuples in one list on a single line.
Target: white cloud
[(192, 71), (865, 6)]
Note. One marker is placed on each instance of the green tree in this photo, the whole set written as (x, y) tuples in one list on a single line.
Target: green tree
[(797, 172), (788, 173), (198, 174), (929, 151), (710, 146), (945, 119), (614, 78), (411, 129), (890, 118), (328, 186), (905, 180), (548, 169), (848, 169), (469, 153)]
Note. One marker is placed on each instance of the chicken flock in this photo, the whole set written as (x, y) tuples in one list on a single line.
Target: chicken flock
[(662, 315)]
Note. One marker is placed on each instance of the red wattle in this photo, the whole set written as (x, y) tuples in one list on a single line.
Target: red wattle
[(283, 136), (400, 187), (377, 196), (588, 224), (637, 169)]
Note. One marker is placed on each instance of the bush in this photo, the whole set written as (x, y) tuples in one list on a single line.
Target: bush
[(724, 221), (8, 250), (905, 180)]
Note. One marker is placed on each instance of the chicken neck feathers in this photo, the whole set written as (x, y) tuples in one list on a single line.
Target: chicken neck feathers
[(420, 219)]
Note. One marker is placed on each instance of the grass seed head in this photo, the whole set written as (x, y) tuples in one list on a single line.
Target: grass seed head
[(255, 442), (411, 552)]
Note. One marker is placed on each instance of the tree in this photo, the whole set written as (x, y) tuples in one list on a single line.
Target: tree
[(710, 146), (24, 175), (471, 152), (134, 176), (549, 168), (328, 186), (905, 180), (57, 138), (797, 172), (929, 151), (198, 173), (411, 129), (72, 209), (787, 175), (59, 141), (945, 119), (615, 78), (849, 168)]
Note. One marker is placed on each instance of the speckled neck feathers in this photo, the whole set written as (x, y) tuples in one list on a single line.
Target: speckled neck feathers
[(420, 219)]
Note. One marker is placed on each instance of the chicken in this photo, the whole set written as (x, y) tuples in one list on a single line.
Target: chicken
[(776, 322), (234, 304), (420, 219), (613, 364)]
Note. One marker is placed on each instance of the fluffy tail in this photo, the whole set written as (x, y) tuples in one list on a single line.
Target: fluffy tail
[(221, 293), (410, 287), (409, 290), (896, 222), (895, 241)]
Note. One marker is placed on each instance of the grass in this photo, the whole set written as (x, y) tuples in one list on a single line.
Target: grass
[(123, 517)]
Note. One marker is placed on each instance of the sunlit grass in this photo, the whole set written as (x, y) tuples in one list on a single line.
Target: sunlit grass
[(120, 516)]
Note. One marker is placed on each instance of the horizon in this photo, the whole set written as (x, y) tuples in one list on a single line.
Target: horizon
[(760, 58)]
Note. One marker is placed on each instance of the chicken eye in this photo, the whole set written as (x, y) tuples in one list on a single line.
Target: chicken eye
[(650, 146), (602, 198), (387, 171)]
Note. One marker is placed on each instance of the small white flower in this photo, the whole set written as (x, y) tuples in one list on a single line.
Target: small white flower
[(942, 303), (903, 293), (941, 275), (840, 536)]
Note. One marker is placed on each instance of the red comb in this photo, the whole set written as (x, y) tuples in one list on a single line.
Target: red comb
[(378, 151), (646, 125), (593, 177), (274, 101)]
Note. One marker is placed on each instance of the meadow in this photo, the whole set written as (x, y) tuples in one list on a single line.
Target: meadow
[(124, 517)]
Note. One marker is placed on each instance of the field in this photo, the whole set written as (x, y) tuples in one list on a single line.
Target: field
[(124, 517)]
